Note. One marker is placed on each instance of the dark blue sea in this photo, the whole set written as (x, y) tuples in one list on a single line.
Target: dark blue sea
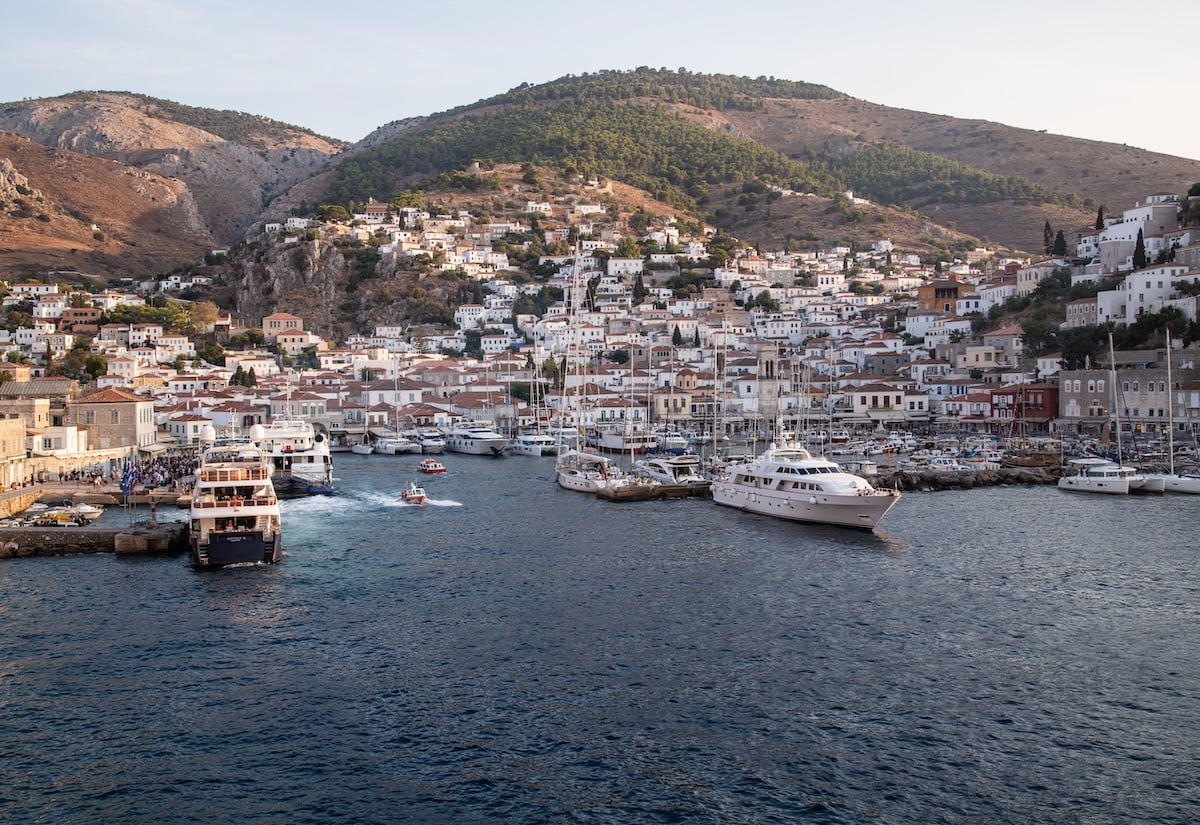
[(515, 653)]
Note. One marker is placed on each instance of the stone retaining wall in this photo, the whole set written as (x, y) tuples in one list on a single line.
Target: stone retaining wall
[(23, 542)]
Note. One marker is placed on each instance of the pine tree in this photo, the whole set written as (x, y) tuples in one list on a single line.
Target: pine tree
[(1048, 238), (677, 337), (639, 289), (1100, 218), (1060, 244), (1139, 252)]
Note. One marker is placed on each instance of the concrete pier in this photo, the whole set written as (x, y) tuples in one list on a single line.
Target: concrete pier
[(24, 542)]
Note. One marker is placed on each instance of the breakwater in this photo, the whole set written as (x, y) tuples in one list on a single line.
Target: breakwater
[(23, 542), (965, 479)]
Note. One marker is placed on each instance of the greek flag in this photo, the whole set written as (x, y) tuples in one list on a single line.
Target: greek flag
[(129, 477)]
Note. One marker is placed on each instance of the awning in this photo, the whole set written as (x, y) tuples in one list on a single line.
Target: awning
[(152, 448)]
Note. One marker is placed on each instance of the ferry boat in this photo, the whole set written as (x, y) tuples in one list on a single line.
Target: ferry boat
[(234, 514), (788, 482), (476, 439), (299, 455)]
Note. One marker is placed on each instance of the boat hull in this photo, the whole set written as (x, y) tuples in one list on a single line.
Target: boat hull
[(1113, 486), (245, 547), (862, 511), (468, 446)]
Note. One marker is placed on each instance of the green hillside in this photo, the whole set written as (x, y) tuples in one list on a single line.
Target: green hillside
[(704, 91), (642, 145), (892, 173)]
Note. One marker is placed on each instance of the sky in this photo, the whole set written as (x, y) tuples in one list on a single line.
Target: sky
[(1085, 69)]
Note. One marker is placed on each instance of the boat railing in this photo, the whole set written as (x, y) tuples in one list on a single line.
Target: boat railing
[(255, 473), (235, 501)]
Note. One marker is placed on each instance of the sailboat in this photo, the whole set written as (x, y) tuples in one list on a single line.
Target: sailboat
[(1100, 475), (1171, 481)]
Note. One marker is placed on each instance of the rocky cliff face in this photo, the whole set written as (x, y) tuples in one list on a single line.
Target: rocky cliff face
[(63, 210), (231, 180), (305, 278)]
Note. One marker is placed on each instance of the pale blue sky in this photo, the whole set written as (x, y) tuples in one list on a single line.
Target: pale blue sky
[(1088, 69)]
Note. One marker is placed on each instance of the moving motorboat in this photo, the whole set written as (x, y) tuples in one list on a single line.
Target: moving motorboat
[(412, 494), (431, 466)]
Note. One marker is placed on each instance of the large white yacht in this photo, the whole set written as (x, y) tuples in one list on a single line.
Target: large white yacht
[(475, 438), (298, 454), (234, 514), (788, 482)]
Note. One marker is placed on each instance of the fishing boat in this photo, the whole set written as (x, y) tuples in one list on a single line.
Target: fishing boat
[(234, 516), (788, 482), (431, 466), (299, 455), (412, 494)]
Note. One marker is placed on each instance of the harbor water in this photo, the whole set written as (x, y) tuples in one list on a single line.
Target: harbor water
[(512, 652)]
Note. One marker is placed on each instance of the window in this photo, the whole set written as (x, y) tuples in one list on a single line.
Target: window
[(114, 416)]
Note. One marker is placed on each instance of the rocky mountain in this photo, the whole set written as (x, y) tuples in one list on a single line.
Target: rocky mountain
[(63, 210), (164, 183), (232, 164), (1096, 173)]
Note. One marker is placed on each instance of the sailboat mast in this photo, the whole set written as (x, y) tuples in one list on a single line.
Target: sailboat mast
[(1170, 411), (1112, 369)]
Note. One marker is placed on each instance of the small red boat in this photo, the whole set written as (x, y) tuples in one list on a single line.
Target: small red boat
[(432, 465), (412, 494)]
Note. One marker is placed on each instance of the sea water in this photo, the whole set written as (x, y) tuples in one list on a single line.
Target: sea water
[(514, 652)]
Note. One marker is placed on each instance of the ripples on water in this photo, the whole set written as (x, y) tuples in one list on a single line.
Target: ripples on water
[(517, 653)]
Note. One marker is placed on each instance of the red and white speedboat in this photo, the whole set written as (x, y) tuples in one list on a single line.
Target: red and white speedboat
[(431, 466), (412, 494)]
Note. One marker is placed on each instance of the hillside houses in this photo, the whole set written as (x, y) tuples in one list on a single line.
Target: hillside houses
[(870, 338)]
